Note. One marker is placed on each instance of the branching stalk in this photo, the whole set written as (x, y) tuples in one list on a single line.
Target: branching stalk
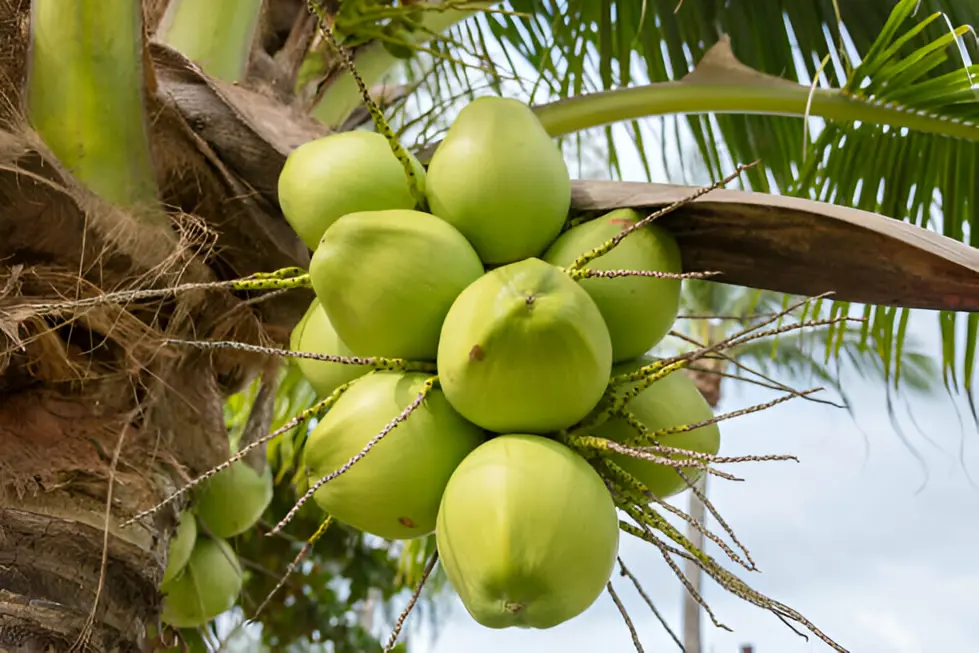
[(373, 61), (85, 98), (216, 34)]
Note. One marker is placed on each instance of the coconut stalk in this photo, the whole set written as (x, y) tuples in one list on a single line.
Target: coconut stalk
[(85, 92), (215, 34), (373, 61)]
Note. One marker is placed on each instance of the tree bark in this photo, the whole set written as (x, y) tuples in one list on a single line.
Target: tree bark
[(98, 419), (709, 383)]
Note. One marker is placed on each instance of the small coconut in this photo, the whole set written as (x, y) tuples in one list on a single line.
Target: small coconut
[(314, 334), (499, 177), (339, 174), (669, 402), (524, 349), (386, 280), (180, 547), (394, 490), (639, 311), (233, 500), (527, 533), (208, 585)]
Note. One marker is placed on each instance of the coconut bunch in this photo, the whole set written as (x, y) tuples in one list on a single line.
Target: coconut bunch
[(203, 577), (480, 355)]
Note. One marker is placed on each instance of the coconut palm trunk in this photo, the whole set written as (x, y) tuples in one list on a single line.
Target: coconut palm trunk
[(95, 413)]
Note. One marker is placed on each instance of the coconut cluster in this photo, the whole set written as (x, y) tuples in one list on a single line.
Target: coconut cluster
[(486, 284), (203, 576)]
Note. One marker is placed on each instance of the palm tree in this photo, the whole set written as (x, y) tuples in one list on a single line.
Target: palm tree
[(141, 142)]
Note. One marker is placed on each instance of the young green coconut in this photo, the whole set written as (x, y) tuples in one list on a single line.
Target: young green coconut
[(338, 174), (527, 533), (501, 180), (233, 500), (395, 489), (180, 547), (207, 587), (314, 334), (669, 402), (386, 280), (524, 349), (639, 311)]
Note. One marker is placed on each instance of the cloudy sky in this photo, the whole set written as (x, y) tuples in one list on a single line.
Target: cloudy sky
[(845, 537)]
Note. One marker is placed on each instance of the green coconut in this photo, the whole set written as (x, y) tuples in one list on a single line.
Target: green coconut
[(180, 547), (395, 489), (386, 280), (639, 311), (233, 500), (669, 402), (527, 533), (501, 180), (338, 174), (207, 587), (314, 334), (524, 349)]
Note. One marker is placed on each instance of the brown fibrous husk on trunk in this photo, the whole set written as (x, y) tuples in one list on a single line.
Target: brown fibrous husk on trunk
[(92, 404)]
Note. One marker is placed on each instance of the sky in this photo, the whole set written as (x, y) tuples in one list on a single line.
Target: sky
[(854, 536)]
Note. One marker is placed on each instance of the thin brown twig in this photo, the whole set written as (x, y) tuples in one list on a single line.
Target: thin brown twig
[(625, 617), (399, 624), (307, 547), (296, 421), (734, 361), (624, 571), (373, 361)]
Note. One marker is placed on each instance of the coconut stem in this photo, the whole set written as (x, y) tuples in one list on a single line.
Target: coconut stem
[(607, 446), (624, 571), (625, 617), (374, 60), (734, 585), (585, 273), (652, 436), (390, 426), (665, 549), (317, 411), (380, 123), (399, 624), (284, 279), (646, 515), (631, 487), (375, 362), (307, 547)]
